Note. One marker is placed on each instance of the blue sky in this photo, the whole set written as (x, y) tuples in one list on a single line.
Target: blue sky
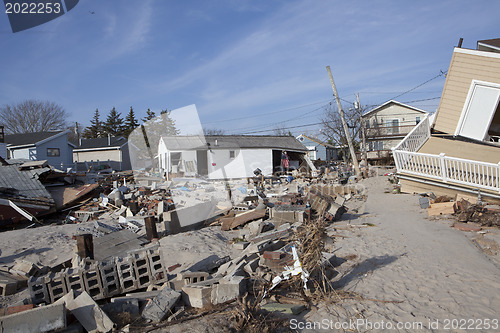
[(247, 65)]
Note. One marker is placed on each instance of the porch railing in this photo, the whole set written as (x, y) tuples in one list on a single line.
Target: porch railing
[(447, 169)]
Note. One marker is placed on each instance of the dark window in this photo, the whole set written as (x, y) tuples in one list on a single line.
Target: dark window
[(417, 120), (231, 154), (53, 152)]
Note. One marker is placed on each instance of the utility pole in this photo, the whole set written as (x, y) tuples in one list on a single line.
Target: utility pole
[(363, 134), (344, 124)]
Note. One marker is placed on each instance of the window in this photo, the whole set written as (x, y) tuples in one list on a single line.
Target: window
[(231, 154), (53, 152), (417, 120), (478, 115)]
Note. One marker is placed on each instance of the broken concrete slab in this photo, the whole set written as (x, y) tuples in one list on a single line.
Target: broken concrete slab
[(228, 289), (159, 307), (240, 219), (87, 312), (42, 319)]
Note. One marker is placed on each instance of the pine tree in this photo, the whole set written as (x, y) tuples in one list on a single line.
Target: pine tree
[(130, 122), (95, 130), (149, 115), (114, 123)]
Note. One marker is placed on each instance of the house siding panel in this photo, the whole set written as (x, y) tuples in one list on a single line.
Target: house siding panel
[(65, 158), (463, 69), (461, 149)]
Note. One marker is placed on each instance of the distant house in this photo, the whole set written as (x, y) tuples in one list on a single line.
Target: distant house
[(226, 156), (111, 151), (387, 124), (51, 146), (460, 151), (317, 149)]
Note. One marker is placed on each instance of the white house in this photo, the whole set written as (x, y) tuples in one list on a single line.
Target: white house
[(226, 156)]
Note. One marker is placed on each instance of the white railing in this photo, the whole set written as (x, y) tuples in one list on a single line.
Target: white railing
[(449, 169), (441, 167), (417, 137)]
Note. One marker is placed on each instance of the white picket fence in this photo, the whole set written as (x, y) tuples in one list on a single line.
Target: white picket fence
[(478, 174)]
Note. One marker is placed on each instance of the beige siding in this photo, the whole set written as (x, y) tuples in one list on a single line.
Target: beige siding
[(463, 69), (101, 155), (460, 149)]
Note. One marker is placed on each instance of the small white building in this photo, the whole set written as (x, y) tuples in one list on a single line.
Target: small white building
[(226, 156)]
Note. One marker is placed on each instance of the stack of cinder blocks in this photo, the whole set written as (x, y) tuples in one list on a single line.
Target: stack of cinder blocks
[(102, 279)]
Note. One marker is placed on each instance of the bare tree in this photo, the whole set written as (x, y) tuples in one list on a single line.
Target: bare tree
[(281, 130), (332, 125), (213, 131), (33, 116)]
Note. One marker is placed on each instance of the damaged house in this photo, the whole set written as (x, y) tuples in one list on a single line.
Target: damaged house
[(226, 156), (460, 151)]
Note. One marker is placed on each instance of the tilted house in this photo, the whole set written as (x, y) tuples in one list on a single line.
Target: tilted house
[(387, 124), (460, 151), (226, 156), (317, 149), (51, 146)]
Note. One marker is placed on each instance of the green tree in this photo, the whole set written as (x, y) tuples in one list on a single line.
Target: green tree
[(130, 122), (95, 129), (114, 123), (149, 115)]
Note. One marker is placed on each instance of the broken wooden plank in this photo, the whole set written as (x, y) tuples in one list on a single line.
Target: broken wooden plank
[(441, 208), (233, 222)]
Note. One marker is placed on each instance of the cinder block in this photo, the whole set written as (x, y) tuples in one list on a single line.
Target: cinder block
[(228, 289), (109, 278), (126, 274), (159, 307), (38, 290), (8, 288), (156, 264), (92, 281), (198, 295), (56, 285), (192, 277), (142, 269), (74, 279)]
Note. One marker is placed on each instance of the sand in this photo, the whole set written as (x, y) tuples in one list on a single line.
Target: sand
[(430, 270)]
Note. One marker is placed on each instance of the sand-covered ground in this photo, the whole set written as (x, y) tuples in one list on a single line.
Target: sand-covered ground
[(415, 269)]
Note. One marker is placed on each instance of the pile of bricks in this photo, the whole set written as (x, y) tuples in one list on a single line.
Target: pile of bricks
[(102, 279)]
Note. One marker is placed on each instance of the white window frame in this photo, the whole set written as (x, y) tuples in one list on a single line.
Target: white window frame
[(466, 110)]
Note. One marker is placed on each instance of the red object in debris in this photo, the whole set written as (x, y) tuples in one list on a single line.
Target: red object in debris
[(171, 268), (214, 164), (18, 308), (466, 227), (273, 255)]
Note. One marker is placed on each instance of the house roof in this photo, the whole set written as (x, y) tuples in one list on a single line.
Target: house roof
[(489, 43), (233, 141), (378, 108), (26, 139), (317, 141), (112, 142), (22, 184)]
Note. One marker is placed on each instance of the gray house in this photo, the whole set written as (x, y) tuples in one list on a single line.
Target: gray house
[(51, 146), (317, 149), (112, 151)]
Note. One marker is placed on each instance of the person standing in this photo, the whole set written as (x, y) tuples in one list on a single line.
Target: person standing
[(285, 163)]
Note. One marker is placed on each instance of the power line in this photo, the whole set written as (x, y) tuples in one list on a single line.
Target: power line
[(410, 90), (313, 124), (266, 113)]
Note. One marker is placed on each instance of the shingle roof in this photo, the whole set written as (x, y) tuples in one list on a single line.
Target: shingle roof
[(28, 138), (24, 183), (102, 143), (495, 42), (394, 102), (234, 141)]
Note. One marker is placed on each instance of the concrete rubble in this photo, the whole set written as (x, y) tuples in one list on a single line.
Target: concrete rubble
[(119, 264)]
